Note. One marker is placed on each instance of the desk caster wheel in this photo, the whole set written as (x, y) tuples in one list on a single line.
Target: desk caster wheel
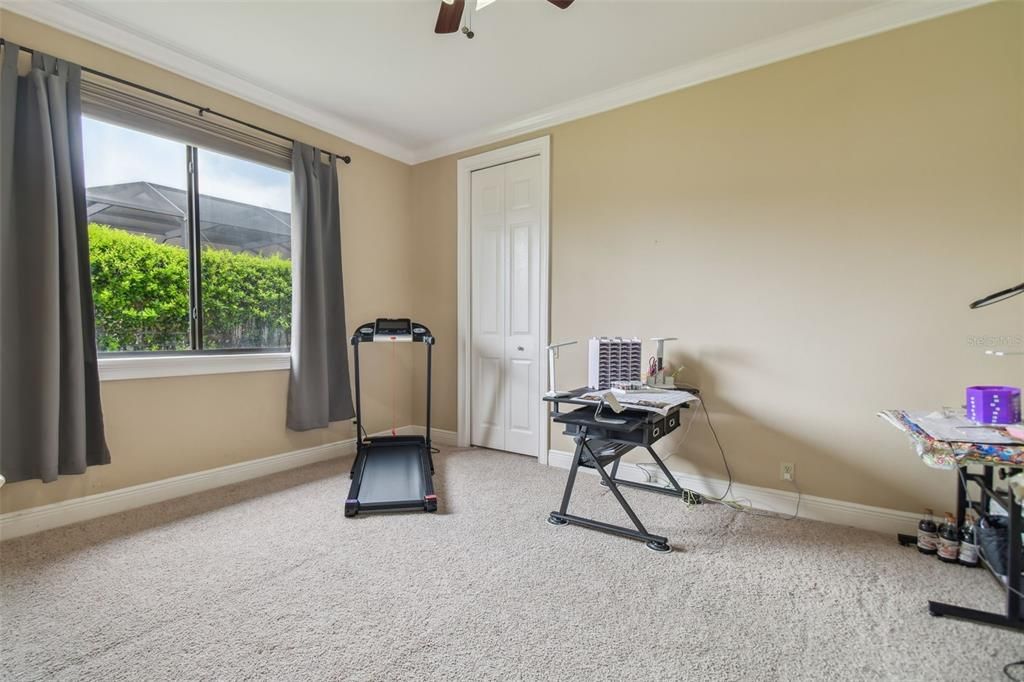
[(556, 521), (662, 547)]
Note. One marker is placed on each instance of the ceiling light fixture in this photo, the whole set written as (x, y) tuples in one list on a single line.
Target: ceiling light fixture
[(449, 18)]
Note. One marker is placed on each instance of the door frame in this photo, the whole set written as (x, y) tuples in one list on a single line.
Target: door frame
[(541, 147)]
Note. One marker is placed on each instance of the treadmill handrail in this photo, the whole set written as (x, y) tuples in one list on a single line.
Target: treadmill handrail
[(366, 333)]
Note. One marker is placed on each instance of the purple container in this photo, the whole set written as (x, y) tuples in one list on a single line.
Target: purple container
[(993, 404)]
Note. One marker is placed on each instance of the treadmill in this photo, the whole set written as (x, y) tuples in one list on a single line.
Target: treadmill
[(391, 473)]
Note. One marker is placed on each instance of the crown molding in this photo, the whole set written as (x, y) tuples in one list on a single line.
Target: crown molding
[(79, 21), (84, 23), (873, 20)]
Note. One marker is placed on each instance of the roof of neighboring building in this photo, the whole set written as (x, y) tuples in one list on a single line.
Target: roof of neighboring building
[(159, 210)]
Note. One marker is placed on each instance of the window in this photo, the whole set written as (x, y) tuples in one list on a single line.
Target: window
[(190, 248)]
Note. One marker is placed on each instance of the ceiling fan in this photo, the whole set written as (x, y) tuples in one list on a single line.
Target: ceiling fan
[(450, 15)]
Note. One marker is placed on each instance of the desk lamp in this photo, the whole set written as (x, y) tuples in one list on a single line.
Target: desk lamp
[(552, 356)]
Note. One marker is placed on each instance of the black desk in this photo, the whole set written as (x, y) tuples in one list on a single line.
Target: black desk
[(599, 444)]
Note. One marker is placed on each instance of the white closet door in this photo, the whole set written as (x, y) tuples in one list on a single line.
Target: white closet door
[(522, 340), (506, 306), (488, 307)]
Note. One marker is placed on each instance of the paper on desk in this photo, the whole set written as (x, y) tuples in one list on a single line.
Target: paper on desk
[(958, 428), (655, 400)]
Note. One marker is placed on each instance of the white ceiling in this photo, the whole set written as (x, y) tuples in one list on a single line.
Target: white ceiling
[(375, 72)]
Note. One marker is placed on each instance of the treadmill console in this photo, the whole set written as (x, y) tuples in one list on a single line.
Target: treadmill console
[(388, 330)]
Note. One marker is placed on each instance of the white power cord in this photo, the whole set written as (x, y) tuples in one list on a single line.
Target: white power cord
[(741, 504), (725, 500)]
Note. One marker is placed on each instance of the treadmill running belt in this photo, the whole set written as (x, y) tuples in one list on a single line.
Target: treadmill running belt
[(392, 474)]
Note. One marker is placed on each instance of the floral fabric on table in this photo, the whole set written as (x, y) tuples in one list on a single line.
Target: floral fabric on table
[(942, 454)]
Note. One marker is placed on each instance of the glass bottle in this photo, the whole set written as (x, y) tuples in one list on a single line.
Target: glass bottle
[(968, 543), (949, 540), (927, 534)]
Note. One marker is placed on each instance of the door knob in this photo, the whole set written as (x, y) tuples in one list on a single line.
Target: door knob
[(520, 349)]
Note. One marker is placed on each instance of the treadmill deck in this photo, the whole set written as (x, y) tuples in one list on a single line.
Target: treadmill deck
[(392, 473)]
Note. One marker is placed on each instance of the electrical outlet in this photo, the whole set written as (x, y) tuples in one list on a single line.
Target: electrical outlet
[(788, 471)]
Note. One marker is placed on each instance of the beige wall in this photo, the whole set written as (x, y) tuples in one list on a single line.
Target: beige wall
[(165, 427), (816, 226), (813, 231)]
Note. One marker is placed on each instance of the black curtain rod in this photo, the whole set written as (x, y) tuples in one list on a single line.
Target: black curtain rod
[(202, 110)]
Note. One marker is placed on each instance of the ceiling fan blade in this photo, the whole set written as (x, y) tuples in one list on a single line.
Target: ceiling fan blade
[(561, 4), (449, 17)]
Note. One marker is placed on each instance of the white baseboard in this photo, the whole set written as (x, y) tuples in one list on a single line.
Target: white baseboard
[(768, 499), (36, 519), (437, 436), (24, 522)]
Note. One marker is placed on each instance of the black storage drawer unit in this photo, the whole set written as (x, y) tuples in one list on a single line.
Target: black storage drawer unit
[(644, 434), (672, 422), (663, 426)]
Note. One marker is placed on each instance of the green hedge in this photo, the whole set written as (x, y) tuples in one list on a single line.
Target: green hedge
[(140, 291)]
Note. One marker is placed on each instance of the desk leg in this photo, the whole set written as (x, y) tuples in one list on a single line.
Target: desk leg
[(618, 496), (936, 608), (688, 495), (961, 496), (676, 490), (573, 468), (561, 517), (989, 483), (1014, 611)]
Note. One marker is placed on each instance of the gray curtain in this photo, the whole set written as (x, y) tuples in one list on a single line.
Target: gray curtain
[(51, 422), (318, 391)]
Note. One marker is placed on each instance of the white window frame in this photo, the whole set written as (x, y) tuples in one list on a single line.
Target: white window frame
[(113, 366), (189, 364)]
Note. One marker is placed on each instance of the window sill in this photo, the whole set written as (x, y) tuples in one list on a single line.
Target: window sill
[(143, 367)]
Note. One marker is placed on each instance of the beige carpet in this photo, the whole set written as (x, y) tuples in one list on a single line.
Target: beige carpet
[(267, 579)]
